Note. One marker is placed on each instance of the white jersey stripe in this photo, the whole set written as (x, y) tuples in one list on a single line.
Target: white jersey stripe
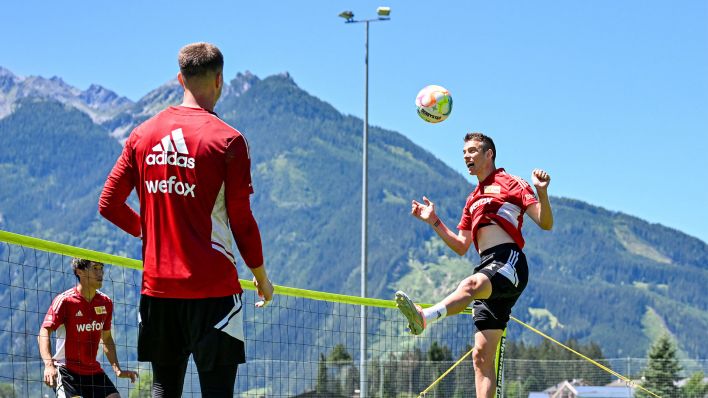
[(221, 237), (223, 251), (520, 180), (60, 298), (510, 212), (60, 352)]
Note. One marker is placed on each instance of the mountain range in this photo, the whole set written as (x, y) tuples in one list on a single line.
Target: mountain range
[(598, 276)]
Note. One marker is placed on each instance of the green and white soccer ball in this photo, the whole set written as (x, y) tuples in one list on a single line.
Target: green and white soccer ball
[(434, 103)]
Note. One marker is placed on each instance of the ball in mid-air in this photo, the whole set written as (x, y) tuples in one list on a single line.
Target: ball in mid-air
[(434, 103)]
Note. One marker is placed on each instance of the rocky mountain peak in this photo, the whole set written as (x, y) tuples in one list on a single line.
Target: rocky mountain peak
[(7, 80), (98, 96), (241, 83), (98, 102)]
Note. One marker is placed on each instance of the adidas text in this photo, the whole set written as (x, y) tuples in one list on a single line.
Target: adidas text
[(170, 186), (173, 159)]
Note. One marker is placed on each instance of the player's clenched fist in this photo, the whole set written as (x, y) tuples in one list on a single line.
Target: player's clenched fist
[(540, 178)]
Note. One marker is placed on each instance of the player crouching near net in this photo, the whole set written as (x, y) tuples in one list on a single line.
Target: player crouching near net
[(491, 219), (81, 316)]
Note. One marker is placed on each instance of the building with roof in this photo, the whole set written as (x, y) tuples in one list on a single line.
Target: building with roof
[(576, 389)]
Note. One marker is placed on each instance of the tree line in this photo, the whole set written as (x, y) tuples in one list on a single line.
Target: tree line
[(527, 368)]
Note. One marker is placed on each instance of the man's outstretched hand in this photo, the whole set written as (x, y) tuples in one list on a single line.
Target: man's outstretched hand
[(424, 211)]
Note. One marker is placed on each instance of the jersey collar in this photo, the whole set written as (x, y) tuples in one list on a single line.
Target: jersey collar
[(491, 176)]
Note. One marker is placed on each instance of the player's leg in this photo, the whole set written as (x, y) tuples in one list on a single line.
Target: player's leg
[(483, 356), (101, 386), (508, 274), (476, 286), (161, 342), (496, 276), (218, 382), (168, 379), (218, 344)]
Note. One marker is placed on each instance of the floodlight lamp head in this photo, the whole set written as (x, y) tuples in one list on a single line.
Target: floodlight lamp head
[(383, 12), (348, 15)]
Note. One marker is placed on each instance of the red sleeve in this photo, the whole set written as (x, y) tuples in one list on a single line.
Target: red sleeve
[(238, 206), (55, 314), (465, 223), (119, 184), (528, 196)]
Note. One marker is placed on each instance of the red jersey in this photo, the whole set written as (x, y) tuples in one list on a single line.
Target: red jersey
[(192, 174), (78, 324), (501, 199)]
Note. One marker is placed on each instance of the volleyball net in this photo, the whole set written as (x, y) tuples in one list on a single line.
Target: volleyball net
[(305, 344)]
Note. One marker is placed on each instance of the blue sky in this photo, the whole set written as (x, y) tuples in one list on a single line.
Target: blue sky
[(611, 97)]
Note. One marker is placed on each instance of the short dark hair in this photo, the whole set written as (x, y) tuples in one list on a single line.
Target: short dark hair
[(487, 142), (81, 263), (199, 59)]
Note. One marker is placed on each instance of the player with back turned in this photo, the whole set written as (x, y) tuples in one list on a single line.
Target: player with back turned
[(192, 174)]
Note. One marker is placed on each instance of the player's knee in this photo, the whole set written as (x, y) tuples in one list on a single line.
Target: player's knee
[(471, 285), (478, 358), (481, 357)]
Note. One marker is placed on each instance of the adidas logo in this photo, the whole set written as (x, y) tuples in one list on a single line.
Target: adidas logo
[(79, 313), (171, 151)]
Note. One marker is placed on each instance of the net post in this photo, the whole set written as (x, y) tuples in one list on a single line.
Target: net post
[(499, 365)]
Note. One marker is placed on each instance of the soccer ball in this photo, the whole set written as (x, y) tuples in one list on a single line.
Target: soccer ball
[(434, 103)]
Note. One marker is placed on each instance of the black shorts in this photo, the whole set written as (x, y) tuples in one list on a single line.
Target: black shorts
[(506, 267), (211, 329), (70, 384)]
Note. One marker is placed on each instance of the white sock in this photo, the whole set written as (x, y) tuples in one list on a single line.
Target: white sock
[(434, 313)]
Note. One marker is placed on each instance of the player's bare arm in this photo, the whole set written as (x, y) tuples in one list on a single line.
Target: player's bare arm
[(459, 243), (109, 348), (45, 351), (541, 212)]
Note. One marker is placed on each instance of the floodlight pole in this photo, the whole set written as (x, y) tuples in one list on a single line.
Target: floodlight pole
[(364, 210), (364, 213)]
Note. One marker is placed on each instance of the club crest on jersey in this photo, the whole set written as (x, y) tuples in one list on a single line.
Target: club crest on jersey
[(492, 189), (100, 310), (172, 150)]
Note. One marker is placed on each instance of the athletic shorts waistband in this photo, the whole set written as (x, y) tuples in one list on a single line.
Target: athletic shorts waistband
[(503, 246)]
